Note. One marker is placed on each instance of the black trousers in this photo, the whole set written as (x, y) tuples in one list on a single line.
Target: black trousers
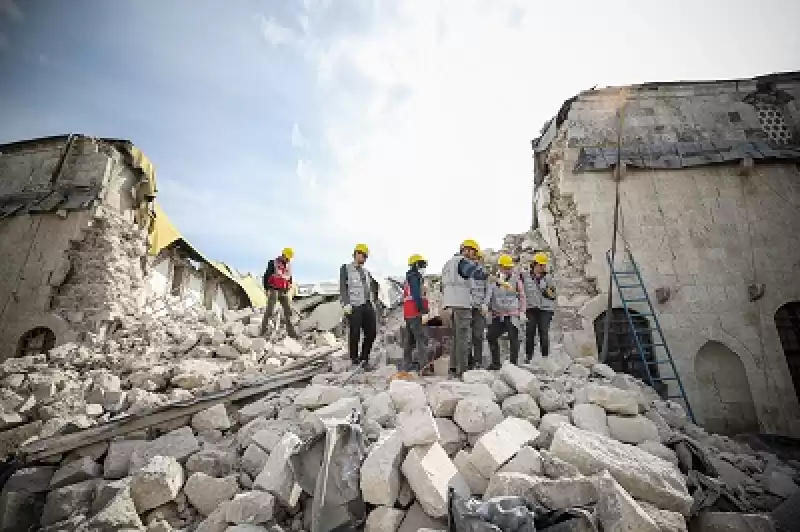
[(415, 338), (538, 321), (362, 318), (496, 330)]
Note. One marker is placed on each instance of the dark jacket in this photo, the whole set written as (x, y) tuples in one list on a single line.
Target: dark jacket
[(468, 269), (414, 280)]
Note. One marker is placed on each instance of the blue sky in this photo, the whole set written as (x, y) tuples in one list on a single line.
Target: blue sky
[(323, 123)]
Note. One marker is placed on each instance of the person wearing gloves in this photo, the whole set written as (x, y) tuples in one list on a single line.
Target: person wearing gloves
[(457, 275), (277, 283), (507, 305), (479, 290), (358, 292), (415, 305), (540, 292)]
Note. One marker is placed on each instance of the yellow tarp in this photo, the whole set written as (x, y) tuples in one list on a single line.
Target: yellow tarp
[(163, 233)]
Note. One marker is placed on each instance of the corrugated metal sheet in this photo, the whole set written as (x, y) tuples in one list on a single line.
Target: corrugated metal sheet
[(682, 155)]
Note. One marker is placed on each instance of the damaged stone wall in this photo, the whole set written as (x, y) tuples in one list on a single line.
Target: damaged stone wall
[(37, 246), (707, 236)]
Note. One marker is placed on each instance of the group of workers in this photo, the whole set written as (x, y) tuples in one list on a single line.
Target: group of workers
[(471, 296)]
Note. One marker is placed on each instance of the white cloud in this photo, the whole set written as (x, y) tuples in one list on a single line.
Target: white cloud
[(11, 10), (274, 33), (434, 145), (298, 140)]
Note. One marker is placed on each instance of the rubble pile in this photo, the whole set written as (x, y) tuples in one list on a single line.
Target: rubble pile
[(578, 442), (166, 354)]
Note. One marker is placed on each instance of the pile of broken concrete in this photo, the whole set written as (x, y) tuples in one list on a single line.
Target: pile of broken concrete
[(563, 434), (167, 354)]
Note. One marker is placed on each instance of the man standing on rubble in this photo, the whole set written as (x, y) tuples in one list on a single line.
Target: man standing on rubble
[(457, 276), (540, 292), (359, 292), (277, 283), (480, 310), (415, 305), (507, 304)]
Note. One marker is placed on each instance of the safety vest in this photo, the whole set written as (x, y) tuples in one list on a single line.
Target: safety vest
[(456, 291), (503, 300), (479, 292), (410, 309), (534, 289), (356, 290), (281, 278)]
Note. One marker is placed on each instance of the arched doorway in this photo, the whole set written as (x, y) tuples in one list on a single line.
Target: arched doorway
[(622, 354), (36, 341), (726, 401), (787, 321)]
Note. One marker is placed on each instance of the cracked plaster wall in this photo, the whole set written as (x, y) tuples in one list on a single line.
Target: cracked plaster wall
[(704, 232)]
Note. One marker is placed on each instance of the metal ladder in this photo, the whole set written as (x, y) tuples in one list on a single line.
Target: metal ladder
[(631, 289)]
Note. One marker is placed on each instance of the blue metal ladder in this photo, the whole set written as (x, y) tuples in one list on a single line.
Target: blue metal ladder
[(631, 289)]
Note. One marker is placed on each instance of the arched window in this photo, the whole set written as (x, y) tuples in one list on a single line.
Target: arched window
[(36, 341), (787, 321), (622, 354), (727, 403)]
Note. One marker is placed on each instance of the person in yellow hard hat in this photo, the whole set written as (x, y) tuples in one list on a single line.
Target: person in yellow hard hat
[(480, 293), (358, 292), (540, 292), (507, 306), (415, 305), (457, 276), (277, 283)]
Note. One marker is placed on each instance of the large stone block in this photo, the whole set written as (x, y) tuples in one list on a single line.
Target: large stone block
[(277, 476), (157, 483), (76, 471), (214, 418), (476, 415), (477, 483), (178, 444), (380, 476), (590, 417), (407, 395), (556, 494), (380, 409), (522, 406), (206, 493), (430, 473), (522, 380), (451, 438), (632, 429), (253, 507), (417, 427), (613, 399), (444, 396), (500, 444), (527, 461), (318, 395), (644, 476), (618, 511)]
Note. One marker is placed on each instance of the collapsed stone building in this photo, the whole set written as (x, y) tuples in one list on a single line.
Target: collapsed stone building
[(163, 409), (710, 189), (83, 242)]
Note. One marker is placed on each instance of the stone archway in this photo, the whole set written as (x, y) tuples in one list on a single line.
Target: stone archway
[(623, 356), (787, 321), (726, 402)]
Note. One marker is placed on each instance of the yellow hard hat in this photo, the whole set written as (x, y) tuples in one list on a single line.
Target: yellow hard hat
[(415, 258), (361, 248), (540, 258), (469, 243), (506, 261), (288, 253)]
